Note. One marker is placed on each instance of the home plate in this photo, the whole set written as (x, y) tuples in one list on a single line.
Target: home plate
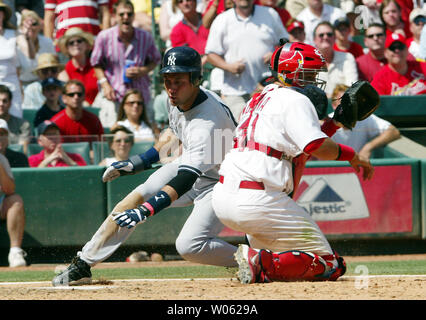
[(89, 287)]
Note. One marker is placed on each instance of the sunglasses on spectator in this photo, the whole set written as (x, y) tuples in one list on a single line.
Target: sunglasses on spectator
[(328, 34), (397, 46), (35, 24), (378, 35), (72, 94), (123, 140), (73, 42), (420, 20), (46, 71), (122, 14), (181, 1)]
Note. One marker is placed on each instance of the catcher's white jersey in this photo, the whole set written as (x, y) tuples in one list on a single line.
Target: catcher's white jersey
[(286, 127), (206, 132)]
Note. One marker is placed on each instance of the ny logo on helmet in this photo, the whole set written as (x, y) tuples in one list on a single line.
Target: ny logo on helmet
[(171, 61)]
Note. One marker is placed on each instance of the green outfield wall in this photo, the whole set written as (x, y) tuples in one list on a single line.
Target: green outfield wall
[(65, 206)]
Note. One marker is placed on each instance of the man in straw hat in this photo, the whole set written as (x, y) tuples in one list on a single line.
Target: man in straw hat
[(48, 66), (122, 56), (77, 45)]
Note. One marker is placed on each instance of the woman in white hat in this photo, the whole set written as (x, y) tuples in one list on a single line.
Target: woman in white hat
[(77, 45), (31, 43), (48, 66), (9, 63)]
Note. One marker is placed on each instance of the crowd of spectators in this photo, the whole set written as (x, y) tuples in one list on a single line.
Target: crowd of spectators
[(59, 57)]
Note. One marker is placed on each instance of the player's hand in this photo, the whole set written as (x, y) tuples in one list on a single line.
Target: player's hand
[(359, 162), (118, 168), (132, 217)]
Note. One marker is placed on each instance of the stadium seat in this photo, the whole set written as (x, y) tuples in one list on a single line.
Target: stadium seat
[(359, 39), (93, 110), (82, 148), (29, 115), (141, 147), (16, 147), (101, 149)]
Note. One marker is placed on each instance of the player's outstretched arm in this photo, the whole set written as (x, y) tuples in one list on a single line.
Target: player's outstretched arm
[(359, 162), (176, 187), (330, 150), (140, 162), (130, 218)]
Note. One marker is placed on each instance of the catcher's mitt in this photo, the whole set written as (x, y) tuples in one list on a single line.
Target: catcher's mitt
[(317, 97), (357, 103)]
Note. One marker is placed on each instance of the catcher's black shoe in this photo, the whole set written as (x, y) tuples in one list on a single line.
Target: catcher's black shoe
[(77, 273)]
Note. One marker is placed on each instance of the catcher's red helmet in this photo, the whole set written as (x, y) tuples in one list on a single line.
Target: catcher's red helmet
[(298, 64)]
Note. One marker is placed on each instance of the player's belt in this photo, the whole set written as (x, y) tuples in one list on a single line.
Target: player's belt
[(248, 184), (252, 145)]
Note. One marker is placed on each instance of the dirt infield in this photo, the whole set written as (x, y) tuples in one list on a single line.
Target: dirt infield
[(348, 287)]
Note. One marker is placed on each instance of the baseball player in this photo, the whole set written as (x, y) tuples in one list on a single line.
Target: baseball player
[(256, 177), (199, 120)]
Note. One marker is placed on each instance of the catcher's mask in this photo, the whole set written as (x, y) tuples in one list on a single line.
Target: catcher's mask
[(183, 60), (298, 64)]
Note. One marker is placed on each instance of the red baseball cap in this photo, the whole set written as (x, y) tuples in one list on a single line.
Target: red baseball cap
[(394, 37), (294, 25)]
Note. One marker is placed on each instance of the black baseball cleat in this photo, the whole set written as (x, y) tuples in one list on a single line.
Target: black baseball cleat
[(77, 273)]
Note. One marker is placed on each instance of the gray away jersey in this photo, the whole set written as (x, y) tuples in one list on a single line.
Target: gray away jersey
[(206, 132)]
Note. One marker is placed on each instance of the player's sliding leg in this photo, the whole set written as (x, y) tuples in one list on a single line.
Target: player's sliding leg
[(198, 240), (104, 242), (110, 236), (266, 266)]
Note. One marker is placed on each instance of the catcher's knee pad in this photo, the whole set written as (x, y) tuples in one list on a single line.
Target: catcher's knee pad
[(292, 265)]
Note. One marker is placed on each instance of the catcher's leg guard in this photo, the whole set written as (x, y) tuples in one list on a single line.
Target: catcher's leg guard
[(294, 265), (338, 271)]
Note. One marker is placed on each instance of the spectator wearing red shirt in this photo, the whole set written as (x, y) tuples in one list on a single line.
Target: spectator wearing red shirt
[(342, 43), (77, 45), (61, 15), (400, 77), (190, 30), (74, 120), (283, 13), (371, 62), (53, 155)]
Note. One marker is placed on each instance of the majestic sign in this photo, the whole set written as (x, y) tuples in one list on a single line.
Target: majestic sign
[(333, 197), (342, 203)]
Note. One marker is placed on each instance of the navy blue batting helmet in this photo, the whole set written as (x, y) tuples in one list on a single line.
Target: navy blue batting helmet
[(183, 60)]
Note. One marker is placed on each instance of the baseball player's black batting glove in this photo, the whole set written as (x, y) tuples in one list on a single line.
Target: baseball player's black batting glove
[(132, 217)]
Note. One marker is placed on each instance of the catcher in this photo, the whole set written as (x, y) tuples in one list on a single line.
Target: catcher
[(278, 131)]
